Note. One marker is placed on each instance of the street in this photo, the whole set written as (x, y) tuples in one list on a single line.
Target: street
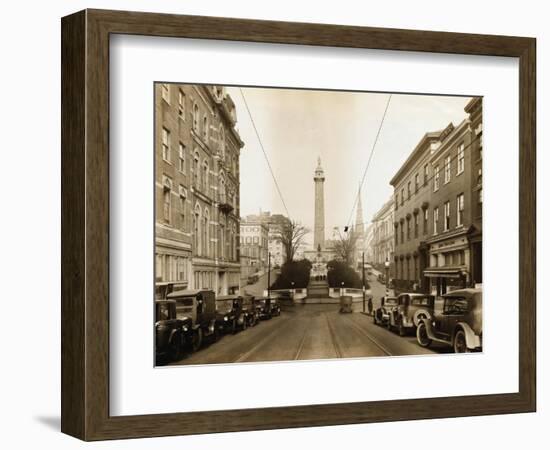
[(311, 331)]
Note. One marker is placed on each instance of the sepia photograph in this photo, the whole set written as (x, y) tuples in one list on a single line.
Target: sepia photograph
[(303, 224)]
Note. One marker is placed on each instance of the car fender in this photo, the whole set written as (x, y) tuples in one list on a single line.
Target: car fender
[(173, 334), (472, 340), (421, 312), (429, 328)]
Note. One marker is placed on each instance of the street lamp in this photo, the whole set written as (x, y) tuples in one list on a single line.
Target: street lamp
[(342, 289)]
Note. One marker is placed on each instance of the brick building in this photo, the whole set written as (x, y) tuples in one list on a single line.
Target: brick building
[(197, 151), (437, 203), (383, 239)]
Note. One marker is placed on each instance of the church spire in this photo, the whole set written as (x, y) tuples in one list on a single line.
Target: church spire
[(359, 225)]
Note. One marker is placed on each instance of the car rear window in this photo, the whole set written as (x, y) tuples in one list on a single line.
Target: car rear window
[(421, 301), (456, 305)]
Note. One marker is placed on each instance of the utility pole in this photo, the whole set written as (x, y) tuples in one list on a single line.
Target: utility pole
[(363, 273), (268, 272)]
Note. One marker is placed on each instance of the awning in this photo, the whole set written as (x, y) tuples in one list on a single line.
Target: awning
[(445, 272)]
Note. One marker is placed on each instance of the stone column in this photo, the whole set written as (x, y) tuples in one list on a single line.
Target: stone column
[(319, 229)]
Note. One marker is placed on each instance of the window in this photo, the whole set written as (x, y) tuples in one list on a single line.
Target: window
[(165, 92), (182, 208), (196, 170), (416, 182), (426, 221), (205, 178), (396, 201), (159, 267), (181, 272), (181, 158), (460, 210), (447, 212), (402, 234), (409, 190), (165, 144), (460, 157), (436, 178), (455, 305), (196, 117), (402, 196), (181, 104), (396, 235), (436, 219), (426, 173), (205, 128), (167, 204), (447, 172), (416, 225), (222, 141)]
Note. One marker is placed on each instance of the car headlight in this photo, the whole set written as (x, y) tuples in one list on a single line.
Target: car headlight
[(185, 328), (225, 318)]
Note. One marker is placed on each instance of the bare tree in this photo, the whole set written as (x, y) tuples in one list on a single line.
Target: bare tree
[(345, 246), (291, 234)]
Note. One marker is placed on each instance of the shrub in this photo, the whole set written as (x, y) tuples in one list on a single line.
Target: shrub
[(293, 271), (339, 272)]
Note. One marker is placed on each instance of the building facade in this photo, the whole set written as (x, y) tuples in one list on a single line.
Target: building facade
[(254, 242), (197, 150), (437, 209), (382, 236)]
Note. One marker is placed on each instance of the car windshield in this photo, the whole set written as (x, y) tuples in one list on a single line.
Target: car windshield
[(163, 311), (455, 305), (224, 306), (390, 301), (261, 302)]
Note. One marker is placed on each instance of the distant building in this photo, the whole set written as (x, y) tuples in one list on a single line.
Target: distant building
[(254, 242), (197, 149), (438, 207), (382, 242), (274, 224)]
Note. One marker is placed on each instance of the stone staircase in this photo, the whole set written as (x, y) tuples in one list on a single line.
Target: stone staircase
[(317, 289)]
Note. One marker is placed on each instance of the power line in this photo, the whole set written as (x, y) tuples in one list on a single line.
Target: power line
[(265, 153), (369, 161)]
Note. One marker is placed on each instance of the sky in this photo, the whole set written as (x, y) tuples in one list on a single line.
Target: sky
[(298, 126)]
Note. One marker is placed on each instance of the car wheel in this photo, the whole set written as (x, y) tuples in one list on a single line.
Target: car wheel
[(388, 324), (176, 348), (197, 340), (234, 326), (216, 334), (459, 342), (245, 323), (422, 335), (374, 320)]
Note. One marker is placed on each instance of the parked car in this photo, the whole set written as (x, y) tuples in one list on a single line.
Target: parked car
[(410, 310), (381, 278), (199, 306), (381, 315), (275, 307), (459, 325), (249, 310), (263, 306), (171, 333), (346, 304), (230, 316)]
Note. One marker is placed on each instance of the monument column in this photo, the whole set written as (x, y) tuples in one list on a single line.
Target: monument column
[(319, 229)]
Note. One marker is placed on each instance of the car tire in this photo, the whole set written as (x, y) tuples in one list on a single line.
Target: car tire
[(388, 324), (422, 335), (245, 323), (197, 340), (374, 319), (176, 348), (233, 326), (459, 342)]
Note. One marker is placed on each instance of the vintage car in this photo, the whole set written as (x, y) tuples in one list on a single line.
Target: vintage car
[(171, 333), (275, 307), (458, 325), (230, 316), (410, 310), (198, 305), (381, 315), (249, 310), (346, 304), (263, 307)]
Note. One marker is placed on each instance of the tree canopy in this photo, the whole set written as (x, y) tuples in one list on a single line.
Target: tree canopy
[(293, 271), (339, 271)]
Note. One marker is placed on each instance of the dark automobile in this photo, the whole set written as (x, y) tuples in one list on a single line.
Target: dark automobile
[(275, 307), (230, 316), (410, 310), (346, 304), (199, 306), (250, 312), (171, 333), (459, 325), (381, 315), (264, 308)]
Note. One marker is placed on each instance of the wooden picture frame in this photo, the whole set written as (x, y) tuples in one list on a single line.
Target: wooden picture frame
[(85, 224)]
